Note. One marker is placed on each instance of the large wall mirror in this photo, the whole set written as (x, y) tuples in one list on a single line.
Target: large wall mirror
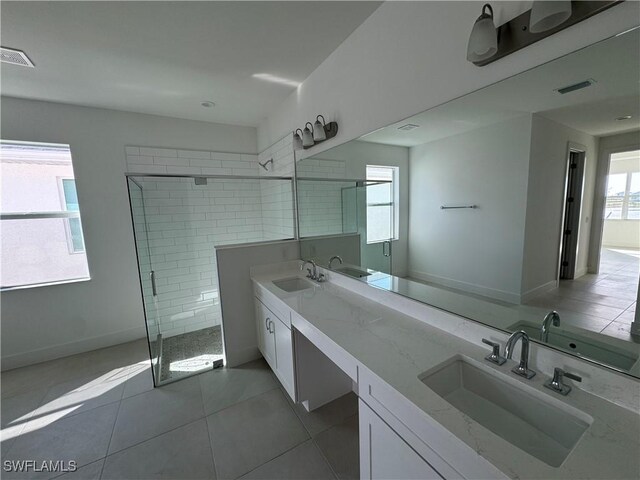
[(501, 206)]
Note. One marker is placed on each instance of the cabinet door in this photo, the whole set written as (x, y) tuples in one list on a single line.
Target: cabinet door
[(384, 455), (284, 355), (266, 333)]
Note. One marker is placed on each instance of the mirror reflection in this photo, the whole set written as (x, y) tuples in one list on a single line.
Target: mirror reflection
[(504, 205)]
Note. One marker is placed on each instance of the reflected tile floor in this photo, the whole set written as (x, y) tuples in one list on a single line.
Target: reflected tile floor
[(606, 302), (100, 410)]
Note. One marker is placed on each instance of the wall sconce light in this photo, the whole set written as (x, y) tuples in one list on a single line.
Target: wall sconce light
[(314, 133), (483, 41), (318, 130), (546, 15), (544, 19), (297, 139), (307, 136)]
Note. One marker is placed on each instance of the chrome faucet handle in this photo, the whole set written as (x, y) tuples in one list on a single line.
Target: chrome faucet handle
[(310, 274), (556, 383), (321, 278), (494, 356)]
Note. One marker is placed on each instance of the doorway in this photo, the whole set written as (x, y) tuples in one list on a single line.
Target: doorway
[(571, 217), (620, 243)]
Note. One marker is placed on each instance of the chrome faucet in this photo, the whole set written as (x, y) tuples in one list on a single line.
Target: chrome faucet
[(335, 257), (313, 274), (556, 383), (552, 316), (523, 368)]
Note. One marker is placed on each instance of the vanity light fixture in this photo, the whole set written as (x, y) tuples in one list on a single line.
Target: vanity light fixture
[(544, 19), (297, 139), (483, 41), (314, 133), (307, 136), (623, 118), (318, 130), (546, 14)]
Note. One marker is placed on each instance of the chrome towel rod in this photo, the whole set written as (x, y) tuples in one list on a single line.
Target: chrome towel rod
[(447, 207)]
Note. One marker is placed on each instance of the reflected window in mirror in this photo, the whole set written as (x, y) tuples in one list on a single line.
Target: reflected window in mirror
[(382, 203), (623, 187)]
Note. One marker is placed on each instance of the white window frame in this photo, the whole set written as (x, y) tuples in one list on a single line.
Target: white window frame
[(395, 203)]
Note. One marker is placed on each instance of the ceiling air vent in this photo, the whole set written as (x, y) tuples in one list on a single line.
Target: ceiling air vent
[(15, 57), (576, 86), (408, 127)]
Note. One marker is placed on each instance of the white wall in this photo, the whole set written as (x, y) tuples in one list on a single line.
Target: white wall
[(410, 56), (48, 322), (477, 250), (550, 143)]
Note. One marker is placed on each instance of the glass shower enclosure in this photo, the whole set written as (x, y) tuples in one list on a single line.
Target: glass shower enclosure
[(178, 222), (350, 218)]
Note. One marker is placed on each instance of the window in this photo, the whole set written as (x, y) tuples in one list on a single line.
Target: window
[(74, 229), (382, 203), (40, 226), (623, 187)]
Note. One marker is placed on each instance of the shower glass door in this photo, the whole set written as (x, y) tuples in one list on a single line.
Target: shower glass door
[(147, 274), (376, 224)]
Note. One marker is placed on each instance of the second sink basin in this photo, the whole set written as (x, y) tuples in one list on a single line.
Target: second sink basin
[(294, 284), (353, 272), (526, 419)]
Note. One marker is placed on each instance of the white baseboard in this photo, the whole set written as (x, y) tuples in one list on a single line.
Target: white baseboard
[(540, 289), (496, 294), (65, 349)]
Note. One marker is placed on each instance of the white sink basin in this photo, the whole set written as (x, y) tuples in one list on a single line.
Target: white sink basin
[(294, 284), (523, 417), (352, 272)]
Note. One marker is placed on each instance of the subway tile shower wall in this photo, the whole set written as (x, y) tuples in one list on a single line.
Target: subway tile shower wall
[(321, 204), (185, 221)]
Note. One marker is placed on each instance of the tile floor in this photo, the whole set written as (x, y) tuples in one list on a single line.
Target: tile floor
[(605, 302), (101, 410)]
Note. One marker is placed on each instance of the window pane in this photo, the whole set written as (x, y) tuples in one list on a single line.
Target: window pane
[(70, 195), (616, 185), (36, 251), (75, 230), (37, 180), (379, 223), (379, 193), (634, 197)]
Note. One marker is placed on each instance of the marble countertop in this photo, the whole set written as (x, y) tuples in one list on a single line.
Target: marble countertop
[(398, 348)]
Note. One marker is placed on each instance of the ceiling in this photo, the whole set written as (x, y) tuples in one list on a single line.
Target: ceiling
[(614, 64), (165, 58)]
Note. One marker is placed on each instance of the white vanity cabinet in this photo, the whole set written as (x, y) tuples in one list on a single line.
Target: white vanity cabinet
[(384, 455), (276, 344)]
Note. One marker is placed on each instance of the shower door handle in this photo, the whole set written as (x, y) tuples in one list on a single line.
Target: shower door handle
[(154, 291)]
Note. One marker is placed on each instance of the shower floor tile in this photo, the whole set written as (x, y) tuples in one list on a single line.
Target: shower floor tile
[(189, 353)]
